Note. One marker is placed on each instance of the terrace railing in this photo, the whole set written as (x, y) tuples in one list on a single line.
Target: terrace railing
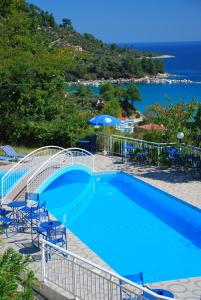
[(189, 149), (62, 159), (86, 280), (25, 167), (115, 145), (157, 152)]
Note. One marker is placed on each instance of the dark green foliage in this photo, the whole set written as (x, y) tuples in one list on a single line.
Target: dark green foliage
[(185, 117), (194, 124), (66, 23), (126, 95), (15, 279), (99, 60), (37, 58)]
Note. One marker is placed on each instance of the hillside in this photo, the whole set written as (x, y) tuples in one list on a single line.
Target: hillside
[(99, 60), (38, 57)]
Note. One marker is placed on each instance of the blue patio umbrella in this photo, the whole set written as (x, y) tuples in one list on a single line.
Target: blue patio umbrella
[(104, 120)]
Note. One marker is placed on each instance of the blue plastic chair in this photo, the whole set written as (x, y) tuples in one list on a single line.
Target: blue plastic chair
[(137, 278), (8, 222), (11, 152), (36, 205), (34, 219), (59, 237), (4, 212), (143, 155)]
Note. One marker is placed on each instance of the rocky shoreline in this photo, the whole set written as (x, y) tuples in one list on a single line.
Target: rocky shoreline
[(158, 79)]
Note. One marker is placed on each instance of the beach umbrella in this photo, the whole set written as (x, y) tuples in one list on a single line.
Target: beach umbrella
[(105, 121)]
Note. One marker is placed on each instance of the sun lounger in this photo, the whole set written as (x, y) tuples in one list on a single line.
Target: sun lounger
[(6, 158), (11, 152)]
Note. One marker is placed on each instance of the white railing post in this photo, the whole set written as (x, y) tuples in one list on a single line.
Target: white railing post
[(2, 191), (74, 276), (43, 262), (158, 153), (111, 288)]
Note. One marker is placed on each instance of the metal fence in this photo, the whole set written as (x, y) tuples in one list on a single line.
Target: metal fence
[(115, 145), (155, 153), (26, 166), (62, 159), (86, 280)]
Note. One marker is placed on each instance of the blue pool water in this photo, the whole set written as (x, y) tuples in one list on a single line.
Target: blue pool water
[(129, 224)]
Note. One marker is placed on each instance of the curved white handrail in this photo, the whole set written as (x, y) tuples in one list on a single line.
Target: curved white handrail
[(84, 151), (52, 159), (18, 165), (95, 266)]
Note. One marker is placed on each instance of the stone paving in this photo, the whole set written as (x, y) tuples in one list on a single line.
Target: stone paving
[(172, 181)]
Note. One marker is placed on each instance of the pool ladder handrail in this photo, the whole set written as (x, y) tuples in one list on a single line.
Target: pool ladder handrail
[(21, 162)]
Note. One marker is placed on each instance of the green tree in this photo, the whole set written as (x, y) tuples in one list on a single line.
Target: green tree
[(112, 107), (66, 23), (195, 125), (175, 117), (14, 273), (128, 96)]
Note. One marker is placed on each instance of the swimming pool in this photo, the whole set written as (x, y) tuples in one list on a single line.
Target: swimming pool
[(129, 224)]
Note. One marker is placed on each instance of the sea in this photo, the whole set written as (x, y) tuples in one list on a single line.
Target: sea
[(186, 64)]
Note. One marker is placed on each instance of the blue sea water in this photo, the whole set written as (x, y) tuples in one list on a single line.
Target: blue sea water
[(185, 64), (131, 225)]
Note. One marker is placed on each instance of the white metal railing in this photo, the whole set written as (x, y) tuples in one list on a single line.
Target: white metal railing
[(190, 149), (116, 145), (87, 280), (26, 166), (62, 159)]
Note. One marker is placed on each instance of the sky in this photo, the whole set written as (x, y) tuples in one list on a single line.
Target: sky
[(130, 20)]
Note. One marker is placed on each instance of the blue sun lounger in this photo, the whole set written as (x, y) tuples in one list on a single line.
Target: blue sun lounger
[(6, 158), (11, 152)]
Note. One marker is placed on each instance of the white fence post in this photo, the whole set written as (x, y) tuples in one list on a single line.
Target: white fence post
[(43, 262), (158, 151), (111, 288), (74, 276), (2, 191)]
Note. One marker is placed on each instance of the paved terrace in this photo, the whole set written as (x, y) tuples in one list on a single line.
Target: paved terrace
[(172, 181)]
